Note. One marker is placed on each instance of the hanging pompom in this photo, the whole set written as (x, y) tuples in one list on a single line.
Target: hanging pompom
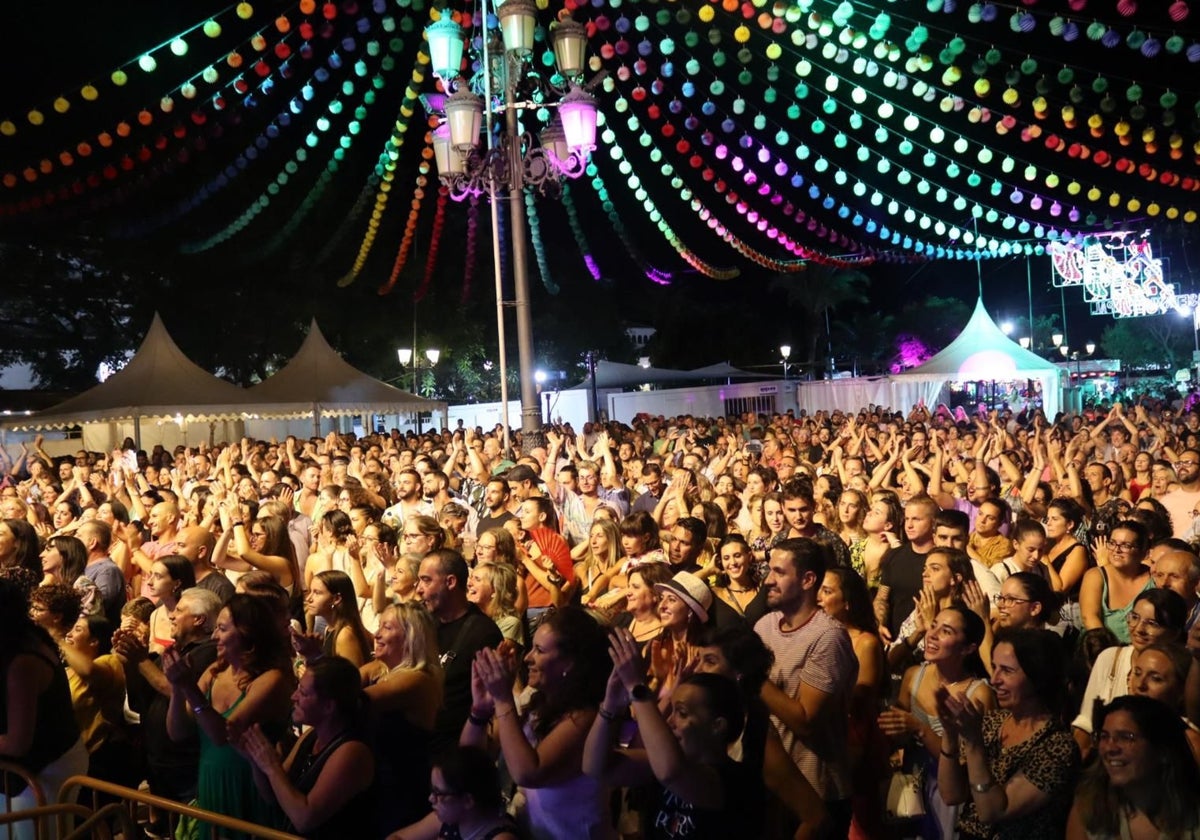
[(1178, 10)]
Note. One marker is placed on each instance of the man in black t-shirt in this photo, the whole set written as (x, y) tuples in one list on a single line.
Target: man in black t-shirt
[(462, 632), (900, 580), (495, 499)]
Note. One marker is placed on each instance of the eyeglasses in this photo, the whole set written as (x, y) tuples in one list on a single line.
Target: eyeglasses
[(1004, 600), (1133, 620), (437, 793), (1120, 737), (1122, 548), (1187, 463), (412, 536)]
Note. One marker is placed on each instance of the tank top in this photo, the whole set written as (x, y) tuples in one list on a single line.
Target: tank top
[(926, 719), (356, 817), (1114, 619), (56, 730)]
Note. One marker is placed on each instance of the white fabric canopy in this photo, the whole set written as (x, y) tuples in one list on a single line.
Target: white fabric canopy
[(158, 382), (317, 382), (983, 353)]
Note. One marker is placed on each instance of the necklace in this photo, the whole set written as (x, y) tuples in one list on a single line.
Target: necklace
[(733, 588)]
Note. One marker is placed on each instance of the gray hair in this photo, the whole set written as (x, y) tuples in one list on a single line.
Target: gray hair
[(202, 602)]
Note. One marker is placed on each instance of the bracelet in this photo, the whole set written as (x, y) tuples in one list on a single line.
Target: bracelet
[(238, 524), (984, 787), (509, 711), (200, 707), (951, 755), (607, 715), (478, 721)]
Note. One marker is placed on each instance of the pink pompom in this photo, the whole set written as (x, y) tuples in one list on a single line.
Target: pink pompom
[(1077, 5), (1128, 8), (1178, 10)]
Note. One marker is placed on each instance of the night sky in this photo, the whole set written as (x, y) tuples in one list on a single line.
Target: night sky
[(183, 194)]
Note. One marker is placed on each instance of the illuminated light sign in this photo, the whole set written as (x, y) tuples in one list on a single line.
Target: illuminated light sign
[(1119, 274)]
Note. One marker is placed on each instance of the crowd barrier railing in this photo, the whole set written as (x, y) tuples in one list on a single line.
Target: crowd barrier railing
[(129, 800)]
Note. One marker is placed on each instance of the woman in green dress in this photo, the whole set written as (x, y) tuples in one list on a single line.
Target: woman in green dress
[(250, 683)]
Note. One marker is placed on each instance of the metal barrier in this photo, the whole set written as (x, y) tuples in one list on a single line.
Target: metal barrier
[(41, 816), (216, 824), (9, 771)]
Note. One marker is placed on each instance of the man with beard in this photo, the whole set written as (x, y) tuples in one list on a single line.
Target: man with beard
[(808, 691)]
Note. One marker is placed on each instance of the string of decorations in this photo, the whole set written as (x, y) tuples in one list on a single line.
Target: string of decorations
[(539, 247), (395, 143), (713, 222), (410, 225), (639, 193), (176, 46), (865, 66), (578, 232), (322, 127), (747, 142), (1026, 66), (435, 242), (296, 107), (472, 249), (921, 88), (125, 130), (656, 275)]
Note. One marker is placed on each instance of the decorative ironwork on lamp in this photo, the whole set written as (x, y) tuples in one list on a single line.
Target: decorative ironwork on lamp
[(466, 164)]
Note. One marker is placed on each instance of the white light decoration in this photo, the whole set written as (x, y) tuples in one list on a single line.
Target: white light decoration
[(1119, 274)]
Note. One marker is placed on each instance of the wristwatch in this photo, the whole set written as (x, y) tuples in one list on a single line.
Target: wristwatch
[(984, 787), (641, 693)]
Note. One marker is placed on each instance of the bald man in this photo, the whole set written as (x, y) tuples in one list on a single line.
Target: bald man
[(197, 545), (164, 535)]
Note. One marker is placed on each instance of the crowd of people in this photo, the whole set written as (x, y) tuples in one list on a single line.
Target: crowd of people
[(870, 624)]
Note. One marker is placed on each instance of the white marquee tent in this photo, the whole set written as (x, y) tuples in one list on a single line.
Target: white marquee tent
[(317, 383), (980, 353)]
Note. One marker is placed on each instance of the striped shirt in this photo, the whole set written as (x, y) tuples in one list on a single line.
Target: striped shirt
[(820, 655)]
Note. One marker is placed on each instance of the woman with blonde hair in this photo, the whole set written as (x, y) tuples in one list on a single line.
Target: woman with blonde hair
[(493, 588), (404, 684), (598, 573)]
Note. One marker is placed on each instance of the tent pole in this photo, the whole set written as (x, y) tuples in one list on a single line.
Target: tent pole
[(316, 415), (137, 431)]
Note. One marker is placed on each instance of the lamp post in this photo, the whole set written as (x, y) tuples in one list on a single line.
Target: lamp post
[(539, 377), (520, 159), (412, 361), (785, 350)]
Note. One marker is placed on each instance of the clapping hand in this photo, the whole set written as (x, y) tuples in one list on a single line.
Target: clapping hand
[(964, 714), (976, 600), (495, 673), (177, 668), (260, 750), (627, 662), (925, 608)]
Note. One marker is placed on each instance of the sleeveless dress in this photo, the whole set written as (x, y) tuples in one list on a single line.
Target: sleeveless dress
[(940, 818), (1114, 619), (225, 782)]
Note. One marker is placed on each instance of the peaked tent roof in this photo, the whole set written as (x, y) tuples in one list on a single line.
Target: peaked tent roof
[(982, 352), (159, 381), (319, 381)]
